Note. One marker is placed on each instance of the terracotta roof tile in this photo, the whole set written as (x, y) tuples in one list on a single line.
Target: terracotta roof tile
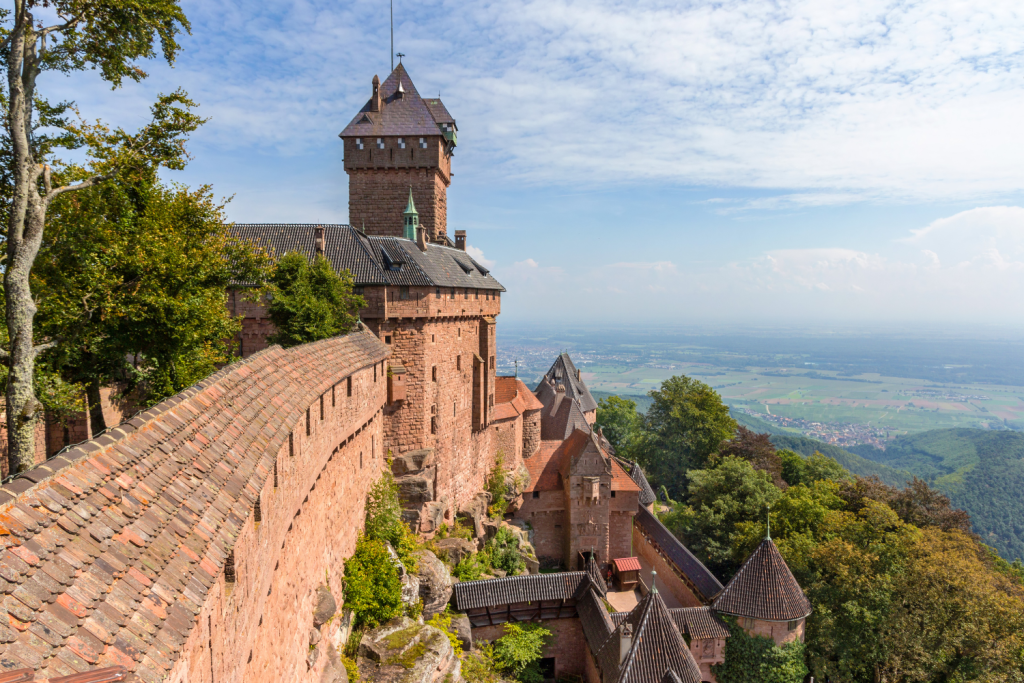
[(125, 541), (544, 467), (621, 481)]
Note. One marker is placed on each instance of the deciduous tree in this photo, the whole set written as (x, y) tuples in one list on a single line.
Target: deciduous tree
[(111, 36), (311, 301)]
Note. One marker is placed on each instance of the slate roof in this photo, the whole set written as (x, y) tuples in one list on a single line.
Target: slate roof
[(373, 260), (700, 622), (512, 398), (637, 475), (594, 572), (514, 589), (595, 620), (679, 555), (107, 551), (561, 416), (564, 372), (764, 588), (657, 647), (407, 115)]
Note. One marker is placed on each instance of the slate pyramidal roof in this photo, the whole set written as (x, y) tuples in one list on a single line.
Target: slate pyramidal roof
[(404, 113), (764, 588), (658, 649), (563, 371)]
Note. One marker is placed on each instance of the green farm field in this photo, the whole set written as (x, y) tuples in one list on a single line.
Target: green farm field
[(897, 405)]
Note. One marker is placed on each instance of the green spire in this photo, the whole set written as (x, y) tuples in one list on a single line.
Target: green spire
[(412, 219)]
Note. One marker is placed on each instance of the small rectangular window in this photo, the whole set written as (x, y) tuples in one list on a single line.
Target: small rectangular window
[(458, 362), (374, 372), (348, 383), (477, 292), (453, 408), (466, 295), (536, 494), (437, 292), (308, 428), (360, 460), (321, 407), (403, 292), (275, 473), (358, 290), (433, 373), (401, 143), (257, 512), (334, 400), (433, 425), (793, 625), (423, 143), (453, 293), (291, 444), (229, 571), (359, 143), (387, 338), (380, 143), (613, 494)]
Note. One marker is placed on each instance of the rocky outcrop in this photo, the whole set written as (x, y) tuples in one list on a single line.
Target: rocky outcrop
[(415, 476), (474, 513), (435, 583), (404, 651), (463, 629), (453, 550), (412, 462), (410, 582), (326, 607)]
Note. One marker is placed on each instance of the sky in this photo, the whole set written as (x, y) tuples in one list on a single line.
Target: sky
[(798, 162)]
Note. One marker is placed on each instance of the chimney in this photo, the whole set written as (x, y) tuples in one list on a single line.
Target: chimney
[(375, 99), (460, 239), (318, 240), (625, 641), (421, 238)]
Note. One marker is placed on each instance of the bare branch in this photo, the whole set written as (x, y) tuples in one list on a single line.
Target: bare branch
[(88, 182), (60, 28), (46, 178), (39, 348)]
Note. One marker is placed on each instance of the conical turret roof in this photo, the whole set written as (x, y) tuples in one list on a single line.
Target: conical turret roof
[(764, 588), (657, 647)]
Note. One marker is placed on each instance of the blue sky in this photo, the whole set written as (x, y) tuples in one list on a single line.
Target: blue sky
[(802, 162)]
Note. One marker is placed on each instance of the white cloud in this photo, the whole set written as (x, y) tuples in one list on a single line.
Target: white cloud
[(829, 102), (478, 256)]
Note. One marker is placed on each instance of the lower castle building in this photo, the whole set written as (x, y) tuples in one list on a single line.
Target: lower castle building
[(204, 540)]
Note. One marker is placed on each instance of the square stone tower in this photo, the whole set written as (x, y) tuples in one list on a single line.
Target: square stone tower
[(396, 143)]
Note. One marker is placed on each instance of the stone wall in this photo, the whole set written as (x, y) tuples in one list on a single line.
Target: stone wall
[(378, 197), (145, 549), (668, 575), (778, 631), (545, 512), (531, 432)]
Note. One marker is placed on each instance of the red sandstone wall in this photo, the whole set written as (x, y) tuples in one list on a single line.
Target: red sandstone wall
[(309, 527), (668, 578), (531, 432), (776, 630), (546, 514), (377, 199), (567, 644)]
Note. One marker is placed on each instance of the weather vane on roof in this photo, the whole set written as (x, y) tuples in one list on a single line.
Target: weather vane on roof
[(399, 55)]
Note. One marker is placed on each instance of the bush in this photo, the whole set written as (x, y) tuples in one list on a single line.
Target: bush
[(373, 589), (479, 667), (517, 652), (504, 552), (754, 659), (443, 622), (471, 567), (496, 487), (351, 669), (384, 520)]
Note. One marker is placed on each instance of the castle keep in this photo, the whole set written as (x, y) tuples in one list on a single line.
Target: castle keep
[(204, 540)]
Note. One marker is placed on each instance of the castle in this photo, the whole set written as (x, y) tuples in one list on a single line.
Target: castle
[(204, 540)]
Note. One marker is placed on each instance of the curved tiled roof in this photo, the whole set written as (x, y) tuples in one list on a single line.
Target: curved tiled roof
[(512, 398), (514, 589), (109, 550), (372, 260), (679, 555), (764, 588)]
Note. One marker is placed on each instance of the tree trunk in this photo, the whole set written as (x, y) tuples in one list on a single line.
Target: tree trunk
[(96, 419)]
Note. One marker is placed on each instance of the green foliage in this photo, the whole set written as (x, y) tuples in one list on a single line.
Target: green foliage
[(622, 425), (756, 449), (684, 426), (311, 301), (517, 652), (472, 567), (414, 610), (755, 659), (503, 552), (718, 500), (443, 622), (373, 588), (853, 463), (351, 669), (496, 486), (384, 520), (981, 471), (132, 281), (798, 470), (479, 666)]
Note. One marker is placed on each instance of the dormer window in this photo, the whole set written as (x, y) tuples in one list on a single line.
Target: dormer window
[(423, 143), (359, 143), (380, 143), (401, 143)]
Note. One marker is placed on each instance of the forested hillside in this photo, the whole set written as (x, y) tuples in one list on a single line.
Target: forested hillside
[(981, 471)]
